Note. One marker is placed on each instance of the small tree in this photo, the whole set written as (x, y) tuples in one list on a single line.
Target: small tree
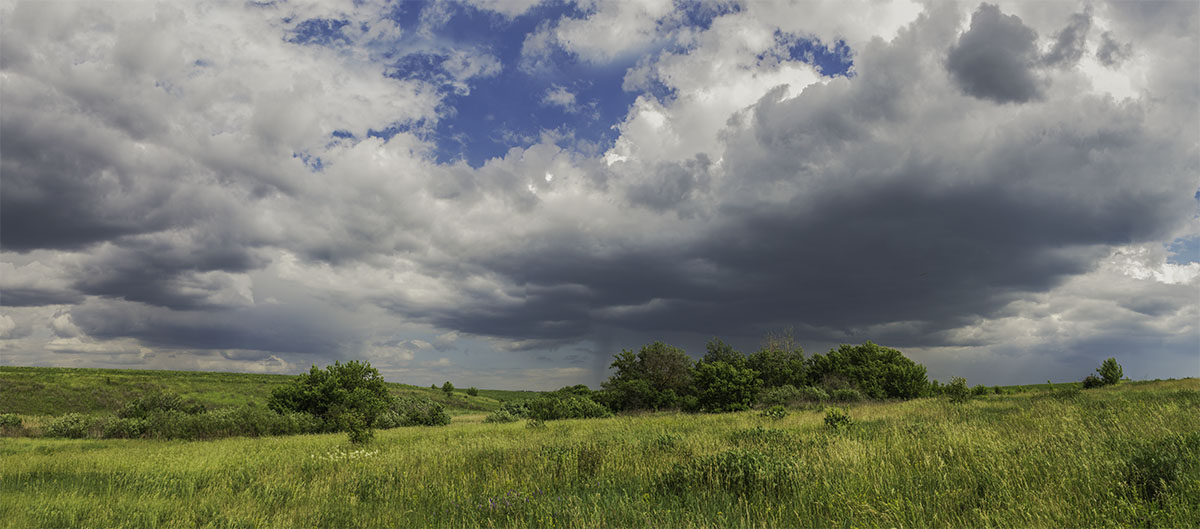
[(473, 391), (448, 387), (1110, 371), (957, 390), (724, 387), (345, 397)]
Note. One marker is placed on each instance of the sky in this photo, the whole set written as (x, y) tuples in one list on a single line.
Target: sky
[(506, 193)]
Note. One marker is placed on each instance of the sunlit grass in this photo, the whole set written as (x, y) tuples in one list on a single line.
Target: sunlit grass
[(1028, 460)]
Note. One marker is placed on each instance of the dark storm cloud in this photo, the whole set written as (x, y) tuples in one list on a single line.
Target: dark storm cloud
[(275, 328), (63, 189), (1069, 43), (33, 297), (995, 58)]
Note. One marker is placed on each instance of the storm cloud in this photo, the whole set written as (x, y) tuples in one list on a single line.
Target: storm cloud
[(265, 187)]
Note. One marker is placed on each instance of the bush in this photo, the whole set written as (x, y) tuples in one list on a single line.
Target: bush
[(1110, 371), (553, 407), (837, 418), (125, 428), (957, 390), (71, 425), (722, 387), (353, 388), (10, 420), (448, 388), (1092, 381), (473, 391), (781, 395), (656, 377), (158, 401), (417, 411), (879, 372), (356, 429), (508, 412), (979, 390), (775, 412), (847, 395)]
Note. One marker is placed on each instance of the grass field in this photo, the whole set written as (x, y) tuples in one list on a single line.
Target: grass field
[(43, 391), (1120, 456)]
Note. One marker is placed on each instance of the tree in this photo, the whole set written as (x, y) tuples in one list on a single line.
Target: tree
[(343, 396), (656, 377), (1110, 371), (779, 365), (448, 388), (724, 387), (719, 351), (879, 372)]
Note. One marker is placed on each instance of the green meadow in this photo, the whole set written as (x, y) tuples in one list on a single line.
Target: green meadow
[(1119, 456)]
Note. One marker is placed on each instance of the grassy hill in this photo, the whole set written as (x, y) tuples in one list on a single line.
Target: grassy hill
[(57, 391), (1121, 456)]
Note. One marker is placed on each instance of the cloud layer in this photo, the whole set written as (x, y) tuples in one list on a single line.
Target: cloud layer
[(992, 188)]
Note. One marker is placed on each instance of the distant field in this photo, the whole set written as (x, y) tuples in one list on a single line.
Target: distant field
[(37, 391), (1121, 456)]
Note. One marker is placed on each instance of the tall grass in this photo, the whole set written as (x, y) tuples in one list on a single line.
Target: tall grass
[(1114, 457)]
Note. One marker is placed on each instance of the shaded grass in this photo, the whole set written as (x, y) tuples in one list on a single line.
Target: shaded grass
[(1000, 461)]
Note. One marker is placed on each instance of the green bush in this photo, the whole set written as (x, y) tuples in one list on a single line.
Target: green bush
[(879, 372), (473, 391), (1092, 381), (847, 395), (158, 401), (125, 428), (448, 388), (837, 418), (417, 411), (508, 412), (356, 429), (720, 386), (72, 426), (553, 407), (957, 390), (979, 390), (10, 420), (341, 389)]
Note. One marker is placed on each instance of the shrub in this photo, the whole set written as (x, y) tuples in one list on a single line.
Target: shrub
[(813, 394), (356, 429), (416, 411), (879, 372), (10, 420), (341, 389), (125, 428), (847, 395), (725, 387), (957, 390), (979, 390), (775, 412), (654, 378), (1110, 371), (508, 412), (158, 401), (780, 395), (837, 418), (448, 388), (71, 425), (473, 391), (553, 407), (1092, 381)]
